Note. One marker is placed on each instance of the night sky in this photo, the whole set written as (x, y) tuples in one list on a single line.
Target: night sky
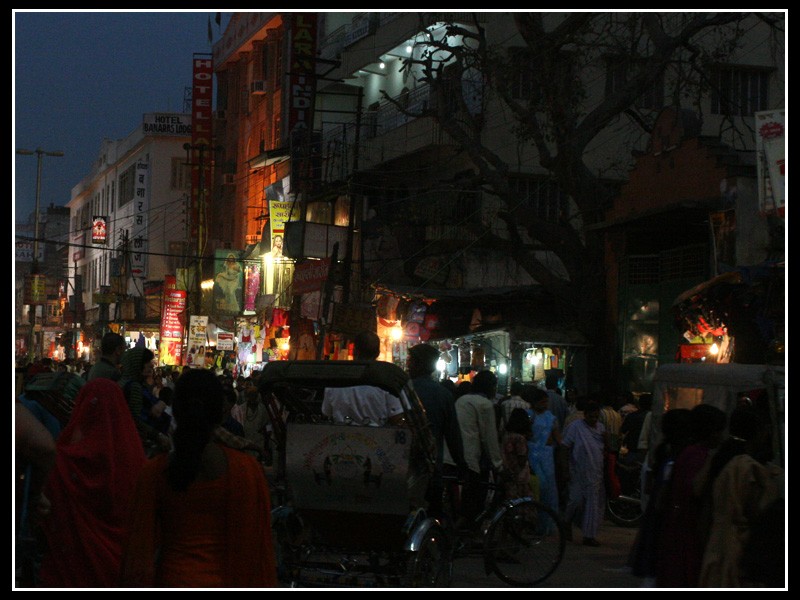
[(83, 76)]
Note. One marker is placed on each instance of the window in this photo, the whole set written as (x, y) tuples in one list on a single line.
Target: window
[(542, 196), (739, 91), (618, 72), (126, 185), (180, 174), (520, 77)]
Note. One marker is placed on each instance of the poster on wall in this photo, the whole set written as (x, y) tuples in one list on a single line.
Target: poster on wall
[(197, 341), (224, 341), (771, 161), (228, 281), (171, 334)]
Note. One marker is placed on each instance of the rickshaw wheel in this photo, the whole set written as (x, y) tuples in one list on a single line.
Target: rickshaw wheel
[(431, 565)]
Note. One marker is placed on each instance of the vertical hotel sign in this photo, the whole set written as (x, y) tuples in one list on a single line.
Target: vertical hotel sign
[(301, 91), (171, 334), (141, 208), (202, 88)]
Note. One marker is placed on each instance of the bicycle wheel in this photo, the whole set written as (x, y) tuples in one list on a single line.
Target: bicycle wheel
[(524, 543), (625, 511), (430, 564)]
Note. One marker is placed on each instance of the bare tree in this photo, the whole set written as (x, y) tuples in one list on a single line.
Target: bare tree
[(556, 51)]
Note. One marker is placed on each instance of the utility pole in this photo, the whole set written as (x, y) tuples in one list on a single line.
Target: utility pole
[(35, 275), (202, 232)]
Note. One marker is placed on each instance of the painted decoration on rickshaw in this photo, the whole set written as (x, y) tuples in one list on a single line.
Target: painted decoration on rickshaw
[(348, 468)]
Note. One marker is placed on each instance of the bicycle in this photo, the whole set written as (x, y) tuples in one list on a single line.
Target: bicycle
[(513, 539), (625, 509)]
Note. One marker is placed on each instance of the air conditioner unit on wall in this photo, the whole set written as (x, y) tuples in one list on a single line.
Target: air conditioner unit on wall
[(258, 87)]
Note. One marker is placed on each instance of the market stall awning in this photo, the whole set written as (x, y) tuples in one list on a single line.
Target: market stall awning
[(526, 333)]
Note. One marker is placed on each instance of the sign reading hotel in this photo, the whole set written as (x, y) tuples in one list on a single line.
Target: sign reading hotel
[(167, 124), (171, 334), (202, 88)]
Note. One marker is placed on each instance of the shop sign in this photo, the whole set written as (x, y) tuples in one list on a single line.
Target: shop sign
[(197, 340), (99, 229), (352, 319), (35, 290), (771, 161), (310, 276), (224, 340), (171, 332)]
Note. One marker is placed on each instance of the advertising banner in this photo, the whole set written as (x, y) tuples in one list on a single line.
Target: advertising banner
[(771, 161), (171, 334), (224, 341), (141, 210), (228, 281), (99, 229), (197, 341)]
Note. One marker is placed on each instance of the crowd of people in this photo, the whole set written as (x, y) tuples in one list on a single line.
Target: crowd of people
[(143, 485), (140, 487)]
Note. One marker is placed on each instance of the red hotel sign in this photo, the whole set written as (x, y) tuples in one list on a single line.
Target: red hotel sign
[(310, 276), (202, 95)]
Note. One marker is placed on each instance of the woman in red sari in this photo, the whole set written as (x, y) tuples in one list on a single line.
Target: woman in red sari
[(201, 515), (98, 459)]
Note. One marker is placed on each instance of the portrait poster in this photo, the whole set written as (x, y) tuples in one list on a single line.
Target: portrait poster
[(228, 281)]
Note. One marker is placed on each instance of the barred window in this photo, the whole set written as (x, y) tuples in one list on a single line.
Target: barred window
[(542, 196), (739, 91), (618, 72), (521, 74)]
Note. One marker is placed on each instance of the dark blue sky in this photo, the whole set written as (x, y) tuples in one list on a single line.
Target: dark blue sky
[(80, 77)]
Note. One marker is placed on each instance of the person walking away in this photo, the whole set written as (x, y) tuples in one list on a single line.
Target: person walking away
[(557, 404), (98, 460), (476, 418), (680, 545), (676, 430), (188, 527), (112, 347), (746, 485), (635, 429), (545, 437), (253, 417), (514, 443), (587, 441), (513, 401), (441, 413), (137, 367)]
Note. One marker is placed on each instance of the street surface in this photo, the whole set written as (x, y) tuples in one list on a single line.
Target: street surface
[(582, 567)]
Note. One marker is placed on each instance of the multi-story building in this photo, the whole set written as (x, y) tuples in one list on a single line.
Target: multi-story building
[(339, 115), (128, 231), (53, 230)]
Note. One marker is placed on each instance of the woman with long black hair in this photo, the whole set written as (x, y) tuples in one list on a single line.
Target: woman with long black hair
[(201, 515)]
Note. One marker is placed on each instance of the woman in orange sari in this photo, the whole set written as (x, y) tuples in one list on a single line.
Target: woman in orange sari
[(201, 515)]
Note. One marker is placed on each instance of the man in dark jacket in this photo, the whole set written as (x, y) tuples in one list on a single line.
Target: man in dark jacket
[(112, 346), (440, 411)]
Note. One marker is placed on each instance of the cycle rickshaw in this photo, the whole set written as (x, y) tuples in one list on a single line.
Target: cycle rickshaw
[(343, 515), (345, 495)]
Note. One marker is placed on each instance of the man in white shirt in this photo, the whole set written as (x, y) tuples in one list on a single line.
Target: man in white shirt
[(476, 418), (363, 404)]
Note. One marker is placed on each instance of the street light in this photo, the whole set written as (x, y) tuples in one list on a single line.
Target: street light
[(35, 266)]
